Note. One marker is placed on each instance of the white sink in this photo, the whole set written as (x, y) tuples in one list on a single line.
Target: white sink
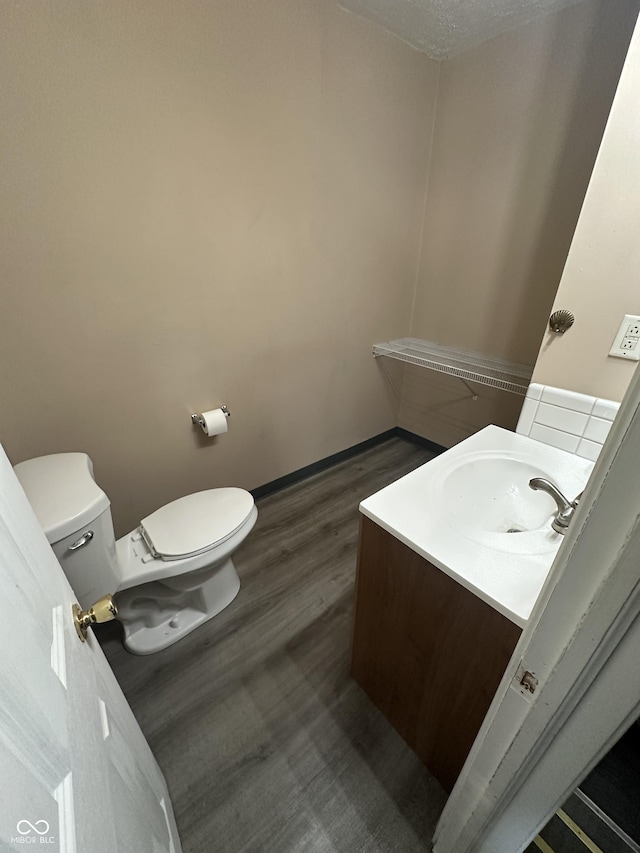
[(487, 498), (471, 513)]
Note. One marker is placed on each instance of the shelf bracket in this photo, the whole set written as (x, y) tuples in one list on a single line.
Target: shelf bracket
[(474, 396)]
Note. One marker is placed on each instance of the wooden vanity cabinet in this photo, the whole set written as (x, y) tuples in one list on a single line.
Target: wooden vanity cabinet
[(428, 652)]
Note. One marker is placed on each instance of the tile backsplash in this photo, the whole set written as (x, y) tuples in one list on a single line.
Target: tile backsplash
[(574, 422)]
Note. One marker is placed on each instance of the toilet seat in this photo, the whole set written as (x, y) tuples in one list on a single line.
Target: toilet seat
[(196, 523)]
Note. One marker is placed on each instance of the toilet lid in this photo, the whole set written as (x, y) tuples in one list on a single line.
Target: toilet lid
[(197, 522)]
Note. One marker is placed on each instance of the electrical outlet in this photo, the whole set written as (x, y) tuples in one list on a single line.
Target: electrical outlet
[(625, 343)]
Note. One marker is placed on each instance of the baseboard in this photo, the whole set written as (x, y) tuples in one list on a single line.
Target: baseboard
[(342, 455), (418, 439)]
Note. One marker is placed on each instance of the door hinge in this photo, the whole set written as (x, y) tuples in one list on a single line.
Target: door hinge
[(529, 681)]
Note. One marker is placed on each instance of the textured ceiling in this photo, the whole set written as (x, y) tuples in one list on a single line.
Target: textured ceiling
[(444, 28)]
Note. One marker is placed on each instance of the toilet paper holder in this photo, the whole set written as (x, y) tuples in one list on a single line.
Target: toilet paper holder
[(197, 419)]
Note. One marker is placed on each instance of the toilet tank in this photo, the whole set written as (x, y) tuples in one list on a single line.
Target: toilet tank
[(75, 515)]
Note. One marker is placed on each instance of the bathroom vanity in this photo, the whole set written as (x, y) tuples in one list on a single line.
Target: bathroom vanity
[(451, 560), (429, 653)]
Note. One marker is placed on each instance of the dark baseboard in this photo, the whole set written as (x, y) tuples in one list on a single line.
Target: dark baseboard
[(342, 456), (418, 439)]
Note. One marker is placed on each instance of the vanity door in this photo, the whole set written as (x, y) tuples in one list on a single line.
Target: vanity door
[(427, 652)]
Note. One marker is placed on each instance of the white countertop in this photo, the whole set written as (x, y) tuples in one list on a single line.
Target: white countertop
[(428, 509)]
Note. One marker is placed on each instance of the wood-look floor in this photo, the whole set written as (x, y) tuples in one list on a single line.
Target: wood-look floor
[(266, 742)]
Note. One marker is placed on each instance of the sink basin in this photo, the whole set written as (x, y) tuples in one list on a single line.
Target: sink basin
[(470, 512), (486, 497)]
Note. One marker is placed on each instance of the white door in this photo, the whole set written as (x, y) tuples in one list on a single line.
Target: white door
[(77, 772)]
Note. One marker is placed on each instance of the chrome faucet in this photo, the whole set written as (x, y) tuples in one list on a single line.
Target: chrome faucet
[(566, 508)]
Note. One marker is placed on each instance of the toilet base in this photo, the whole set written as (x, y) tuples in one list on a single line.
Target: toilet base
[(157, 614)]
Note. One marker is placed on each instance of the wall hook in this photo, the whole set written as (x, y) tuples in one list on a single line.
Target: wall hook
[(560, 321)]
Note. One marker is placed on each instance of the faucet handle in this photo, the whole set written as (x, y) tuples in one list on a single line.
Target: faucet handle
[(566, 509), (540, 484), (562, 516)]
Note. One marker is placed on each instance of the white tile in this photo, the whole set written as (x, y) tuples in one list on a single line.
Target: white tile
[(607, 409), (568, 399), (555, 438), (527, 416), (534, 391), (559, 418), (589, 449), (597, 429)]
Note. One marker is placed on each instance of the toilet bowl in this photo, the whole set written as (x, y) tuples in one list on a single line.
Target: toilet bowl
[(168, 576)]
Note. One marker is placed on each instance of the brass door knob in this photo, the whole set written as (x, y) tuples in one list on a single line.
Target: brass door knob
[(104, 610)]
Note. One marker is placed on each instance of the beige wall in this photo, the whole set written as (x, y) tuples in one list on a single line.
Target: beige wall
[(222, 202), (203, 203), (601, 280), (517, 129)]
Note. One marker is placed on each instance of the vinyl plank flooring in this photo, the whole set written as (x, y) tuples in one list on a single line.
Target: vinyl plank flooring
[(266, 742)]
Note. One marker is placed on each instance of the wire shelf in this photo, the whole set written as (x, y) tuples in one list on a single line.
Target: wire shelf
[(472, 366)]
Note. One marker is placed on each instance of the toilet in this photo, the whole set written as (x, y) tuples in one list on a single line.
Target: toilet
[(169, 575)]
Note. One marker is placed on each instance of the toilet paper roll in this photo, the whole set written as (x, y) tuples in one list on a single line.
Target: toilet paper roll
[(213, 422)]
